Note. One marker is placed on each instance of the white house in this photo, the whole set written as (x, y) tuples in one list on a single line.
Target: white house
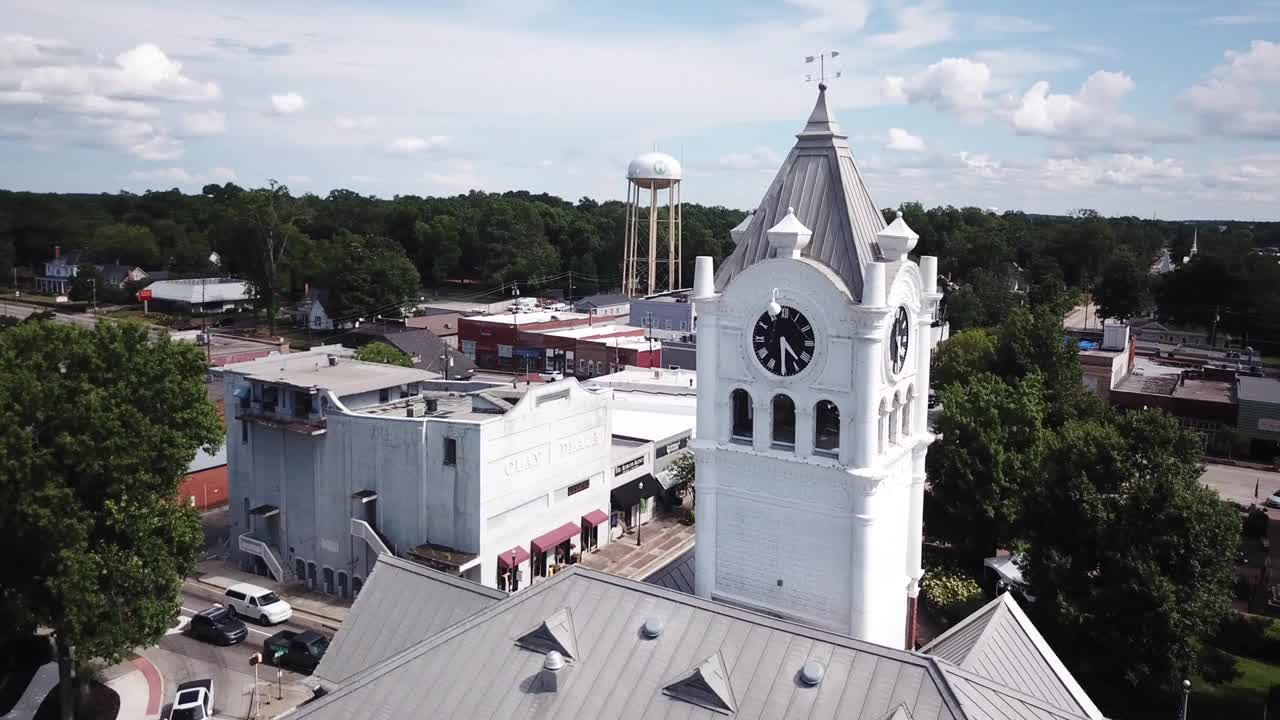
[(813, 377), (333, 461), (59, 272), (311, 312)]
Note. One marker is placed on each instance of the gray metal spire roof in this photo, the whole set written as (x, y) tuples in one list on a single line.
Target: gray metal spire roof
[(706, 685), (999, 643), (821, 181)]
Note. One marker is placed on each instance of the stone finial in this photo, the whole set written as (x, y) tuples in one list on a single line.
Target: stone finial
[(789, 236), (896, 240)]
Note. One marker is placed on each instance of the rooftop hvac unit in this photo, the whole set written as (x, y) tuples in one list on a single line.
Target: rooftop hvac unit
[(432, 405), (414, 410)]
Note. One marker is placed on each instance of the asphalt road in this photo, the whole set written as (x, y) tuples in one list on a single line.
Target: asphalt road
[(1237, 483), (21, 311), (180, 658)]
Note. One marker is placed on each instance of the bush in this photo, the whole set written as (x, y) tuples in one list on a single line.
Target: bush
[(1251, 636), (1255, 523), (955, 595)]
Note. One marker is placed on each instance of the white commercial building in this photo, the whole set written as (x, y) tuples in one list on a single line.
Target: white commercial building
[(333, 461)]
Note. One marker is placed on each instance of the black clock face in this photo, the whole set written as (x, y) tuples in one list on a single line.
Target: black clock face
[(783, 344), (899, 340)]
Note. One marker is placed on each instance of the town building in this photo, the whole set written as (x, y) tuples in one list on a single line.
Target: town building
[(1258, 415), (1106, 361), (205, 485), (201, 296), (312, 311), (1149, 330), (1202, 398), (59, 272), (117, 275), (665, 311), (425, 350), (441, 323), (604, 356), (615, 306), (814, 342), (562, 348), (334, 461), (491, 340)]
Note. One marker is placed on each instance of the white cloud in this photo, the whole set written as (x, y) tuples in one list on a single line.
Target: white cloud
[(956, 85), (136, 137), (833, 15), (545, 163), (899, 139), (1009, 24), (142, 73), (917, 26), (1042, 113), (288, 103), (211, 122), (412, 144), (983, 165), (1240, 98), (1252, 19), (179, 176), (761, 158), (1121, 169), (1015, 63), (1254, 174), (17, 50), (455, 176), (360, 122)]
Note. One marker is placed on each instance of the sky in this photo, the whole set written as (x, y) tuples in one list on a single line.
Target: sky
[(1143, 107)]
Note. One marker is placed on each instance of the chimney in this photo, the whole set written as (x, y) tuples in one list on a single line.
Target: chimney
[(549, 678), (57, 251), (703, 277)]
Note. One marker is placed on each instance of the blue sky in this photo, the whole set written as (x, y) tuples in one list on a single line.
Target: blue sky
[(1150, 108)]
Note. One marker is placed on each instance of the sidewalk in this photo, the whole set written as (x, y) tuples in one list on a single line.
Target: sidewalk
[(662, 539), (220, 575), (140, 687)]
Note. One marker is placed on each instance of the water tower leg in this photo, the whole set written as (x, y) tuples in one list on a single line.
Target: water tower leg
[(653, 236)]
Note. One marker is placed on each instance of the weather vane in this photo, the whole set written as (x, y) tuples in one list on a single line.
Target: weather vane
[(821, 59)]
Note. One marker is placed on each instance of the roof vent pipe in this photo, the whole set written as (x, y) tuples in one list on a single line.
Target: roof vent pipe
[(550, 675), (812, 672), (652, 628)]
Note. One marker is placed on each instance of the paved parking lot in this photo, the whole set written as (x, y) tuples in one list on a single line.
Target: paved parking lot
[(1238, 483)]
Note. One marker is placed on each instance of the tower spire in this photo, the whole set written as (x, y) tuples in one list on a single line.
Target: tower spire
[(821, 120)]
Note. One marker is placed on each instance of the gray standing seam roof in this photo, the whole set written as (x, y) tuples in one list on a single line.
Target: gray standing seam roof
[(475, 670), (998, 643), (676, 575), (1258, 389), (401, 604), (821, 181)]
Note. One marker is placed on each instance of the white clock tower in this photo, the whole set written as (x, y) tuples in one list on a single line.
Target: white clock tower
[(813, 374)]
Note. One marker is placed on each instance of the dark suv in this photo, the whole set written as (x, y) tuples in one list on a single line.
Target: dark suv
[(217, 625)]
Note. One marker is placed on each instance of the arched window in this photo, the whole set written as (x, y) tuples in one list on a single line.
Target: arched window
[(906, 410), (882, 430), (743, 422), (826, 428), (784, 421), (895, 418)]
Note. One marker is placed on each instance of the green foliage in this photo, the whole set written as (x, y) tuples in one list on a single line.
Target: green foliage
[(954, 594), (683, 468), (373, 276), (1129, 556), (87, 284), (380, 352), (125, 243), (964, 356), (991, 440), (1124, 290), (1252, 636), (96, 430)]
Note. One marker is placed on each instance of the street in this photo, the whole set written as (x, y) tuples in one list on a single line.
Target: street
[(1237, 483), (20, 311), (181, 658)]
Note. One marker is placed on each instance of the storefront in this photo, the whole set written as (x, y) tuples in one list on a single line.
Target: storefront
[(509, 574), (591, 523), (632, 502), (554, 550)]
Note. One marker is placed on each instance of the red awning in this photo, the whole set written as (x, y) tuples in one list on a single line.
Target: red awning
[(504, 559), (544, 543), (594, 518)]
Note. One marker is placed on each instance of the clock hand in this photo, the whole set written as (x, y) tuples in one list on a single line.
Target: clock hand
[(784, 347)]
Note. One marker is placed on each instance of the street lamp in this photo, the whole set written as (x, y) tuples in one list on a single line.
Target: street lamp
[(640, 514), (1186, 694)]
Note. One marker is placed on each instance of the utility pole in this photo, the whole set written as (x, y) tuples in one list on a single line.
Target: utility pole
[(1213, 327), (570, 298), (93, 282)]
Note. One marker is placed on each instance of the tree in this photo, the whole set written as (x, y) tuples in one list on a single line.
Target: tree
[(991, 437), (97, 427), (260, 227), (125, 243), (87, 284), (963, 356), (380, 352), (1128, 555), (1124, 290), (373, 277)]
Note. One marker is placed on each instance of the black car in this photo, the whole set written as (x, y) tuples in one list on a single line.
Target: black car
[(217, 625)]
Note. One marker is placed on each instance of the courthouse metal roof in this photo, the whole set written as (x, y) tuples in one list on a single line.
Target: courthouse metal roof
[(402, 604), (821, 181), (999, 643)]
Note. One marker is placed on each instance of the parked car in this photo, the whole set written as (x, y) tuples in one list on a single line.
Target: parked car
[(257, 603), (1273, 501), (217, 625), (299, 651), (193, 701)]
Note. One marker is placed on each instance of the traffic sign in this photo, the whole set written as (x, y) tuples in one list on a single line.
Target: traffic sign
[(277, 653), (255, 659)]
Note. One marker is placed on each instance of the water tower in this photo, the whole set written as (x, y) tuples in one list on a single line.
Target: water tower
[(651, 260)]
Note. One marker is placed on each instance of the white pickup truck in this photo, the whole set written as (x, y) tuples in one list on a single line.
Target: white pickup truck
[(193, 701)]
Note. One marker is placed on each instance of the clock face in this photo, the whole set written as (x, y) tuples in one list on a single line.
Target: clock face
[(784, 344), (899, 340)]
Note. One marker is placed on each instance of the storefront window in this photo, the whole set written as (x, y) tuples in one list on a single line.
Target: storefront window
[(539, 564)]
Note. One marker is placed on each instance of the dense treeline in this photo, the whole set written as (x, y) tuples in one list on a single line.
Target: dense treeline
[(282, 243)]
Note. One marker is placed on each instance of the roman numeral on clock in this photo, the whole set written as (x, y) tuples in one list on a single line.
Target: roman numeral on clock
[(761, 352), (805, 356)]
